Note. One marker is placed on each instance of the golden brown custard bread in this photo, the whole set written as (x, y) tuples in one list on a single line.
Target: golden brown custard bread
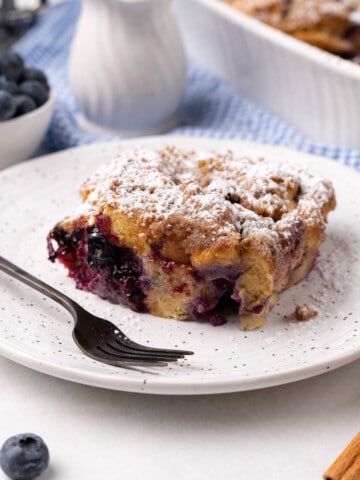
[(175, 232)]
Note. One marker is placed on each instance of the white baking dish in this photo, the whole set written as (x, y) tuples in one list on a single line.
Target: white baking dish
[(313, 90)]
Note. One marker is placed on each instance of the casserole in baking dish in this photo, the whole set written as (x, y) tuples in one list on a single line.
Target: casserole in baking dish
[(315, 91)]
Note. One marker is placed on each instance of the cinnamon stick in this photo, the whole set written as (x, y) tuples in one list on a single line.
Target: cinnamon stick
[(347, 465), (353, 473)]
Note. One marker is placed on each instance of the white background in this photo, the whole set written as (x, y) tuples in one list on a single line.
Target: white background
[(290, 432)]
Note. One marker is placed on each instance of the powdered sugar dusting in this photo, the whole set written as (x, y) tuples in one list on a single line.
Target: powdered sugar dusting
[(212, 194), (332, 271)]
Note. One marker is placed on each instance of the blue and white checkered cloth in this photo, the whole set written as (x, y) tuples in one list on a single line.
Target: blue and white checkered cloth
[(211, 108)]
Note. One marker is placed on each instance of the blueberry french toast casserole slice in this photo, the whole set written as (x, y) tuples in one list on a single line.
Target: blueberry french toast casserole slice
[(177, 232)]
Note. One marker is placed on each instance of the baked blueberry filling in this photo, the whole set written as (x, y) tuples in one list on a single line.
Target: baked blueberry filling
[(114, 273)]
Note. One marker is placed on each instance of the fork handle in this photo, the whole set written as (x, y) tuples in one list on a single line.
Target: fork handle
[(31, 281)]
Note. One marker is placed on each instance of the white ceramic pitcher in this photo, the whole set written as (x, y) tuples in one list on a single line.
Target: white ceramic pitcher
[(127, 66)]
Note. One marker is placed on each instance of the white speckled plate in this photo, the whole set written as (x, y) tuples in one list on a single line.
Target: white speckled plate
[(36, 332)]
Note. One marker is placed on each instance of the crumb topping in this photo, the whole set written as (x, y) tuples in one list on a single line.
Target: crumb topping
[(208, 198), (304, 312)]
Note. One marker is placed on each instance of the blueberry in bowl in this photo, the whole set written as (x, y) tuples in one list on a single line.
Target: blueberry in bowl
[(11, 65), (7, 105), (26, 106)]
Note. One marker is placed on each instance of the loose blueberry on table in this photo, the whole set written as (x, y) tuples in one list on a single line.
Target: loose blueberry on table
[(22, 89), (24, 456)]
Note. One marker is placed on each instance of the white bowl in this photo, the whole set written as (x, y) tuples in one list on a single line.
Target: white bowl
[(21, 137), (313, 90)]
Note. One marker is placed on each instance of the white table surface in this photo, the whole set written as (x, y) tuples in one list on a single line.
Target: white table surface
[(290, 432)]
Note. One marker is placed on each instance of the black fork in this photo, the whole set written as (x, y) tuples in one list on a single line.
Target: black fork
[(96, 337)]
